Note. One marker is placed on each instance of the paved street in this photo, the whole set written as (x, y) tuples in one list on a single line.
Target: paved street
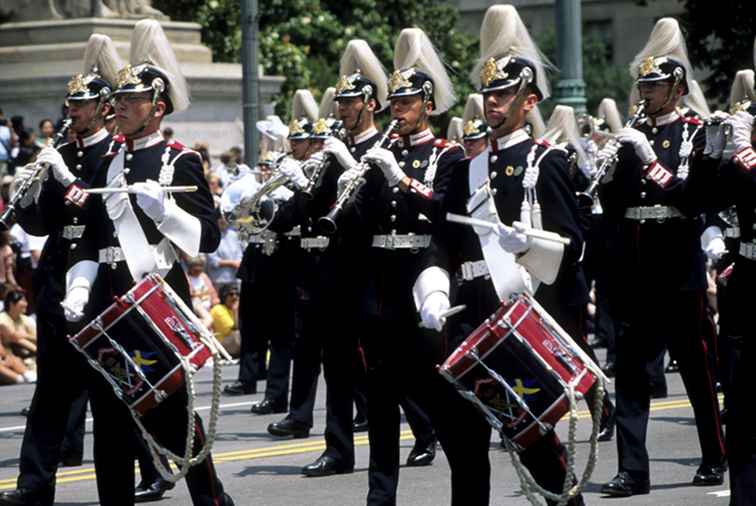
[(258, 469)]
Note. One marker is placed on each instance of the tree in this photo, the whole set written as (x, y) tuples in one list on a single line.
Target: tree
[(720, 41)]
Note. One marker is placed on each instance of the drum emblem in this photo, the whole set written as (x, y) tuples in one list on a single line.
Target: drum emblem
[(142, 359), (120, 369), (178, 329)]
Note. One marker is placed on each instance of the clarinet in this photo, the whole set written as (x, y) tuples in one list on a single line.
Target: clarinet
[(328, 222), (318, 169), (38, 168), (588, 196)]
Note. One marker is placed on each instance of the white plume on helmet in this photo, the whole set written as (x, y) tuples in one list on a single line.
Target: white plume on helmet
[(149, 44), (504, 33), (696, 101), (455, 130), (414, 49), (359, 57), (562, 128), (101, 54), (666, 39), (535, 120), (303, 105), (474, 108), (608, 111), (742, 87)]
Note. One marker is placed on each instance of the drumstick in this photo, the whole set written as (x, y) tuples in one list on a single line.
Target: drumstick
[(449, 312), (529, 231), (130, 189)]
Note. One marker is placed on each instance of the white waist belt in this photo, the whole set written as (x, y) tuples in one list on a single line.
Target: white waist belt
[(732, 232), (748, 250), (111, 255), (472, 270), (73, 231), (652, 213), (403, 241), (314, 242)]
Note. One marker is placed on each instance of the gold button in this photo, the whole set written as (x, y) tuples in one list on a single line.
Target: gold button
[(509, 170), (666, 144)]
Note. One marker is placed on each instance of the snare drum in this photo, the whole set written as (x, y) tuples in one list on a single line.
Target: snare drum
[(516, 368), (138, 344)]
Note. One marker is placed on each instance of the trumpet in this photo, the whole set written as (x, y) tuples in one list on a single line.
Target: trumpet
[(254, 215), (587, 197), (38, 169), (328, 222)]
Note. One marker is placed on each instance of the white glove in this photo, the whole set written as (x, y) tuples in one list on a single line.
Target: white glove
[(609, 150), (73, 305), (347, 177), (151, 198), (640, 143), (715, 249), (513, 239), (340, 151), (52, 157), (22, 176), (432, 312), (715, 137), (384, 159), (742, 125), (292, 169)]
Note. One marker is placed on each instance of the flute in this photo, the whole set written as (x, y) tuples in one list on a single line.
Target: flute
[(130, 189)]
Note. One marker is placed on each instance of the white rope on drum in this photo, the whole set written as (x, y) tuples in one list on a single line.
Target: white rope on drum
[(530, 487), (187, 461)]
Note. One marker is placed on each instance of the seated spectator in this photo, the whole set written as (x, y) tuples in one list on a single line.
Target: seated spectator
[(7, 141), (224, 262), (26, 151), (225, 319), (214, 184), (18, 331), (231, 167), (202, 149), (7, 260), (13, 370), (201, 289)]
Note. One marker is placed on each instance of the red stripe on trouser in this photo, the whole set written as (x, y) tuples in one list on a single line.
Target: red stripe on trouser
[(714, 400)]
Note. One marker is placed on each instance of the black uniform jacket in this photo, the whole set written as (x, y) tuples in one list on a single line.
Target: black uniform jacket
[(63, 223), (455, 244)]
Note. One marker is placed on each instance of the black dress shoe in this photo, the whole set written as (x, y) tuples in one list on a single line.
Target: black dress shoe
[(707, 475), (623, 485), (606, 426), (360, 424), (227, 501), (326, 466), (673, 366), (27, 497), (288, 427), (71, 460), (240, 388), (609, 369), (422, 455), (267, 407), (152, 492)]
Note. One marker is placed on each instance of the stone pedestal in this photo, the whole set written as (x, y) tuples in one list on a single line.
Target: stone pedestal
[(39, 57)]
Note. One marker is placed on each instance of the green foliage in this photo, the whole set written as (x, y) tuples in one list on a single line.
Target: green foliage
[(602, 78), (720, 41)]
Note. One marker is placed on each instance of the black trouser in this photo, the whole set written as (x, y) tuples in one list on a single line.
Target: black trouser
[(673, 321), (266, 311), (115, 451), (56, 407), (73, 440)]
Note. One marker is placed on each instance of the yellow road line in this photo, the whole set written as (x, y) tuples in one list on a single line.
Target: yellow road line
[(295, 448)]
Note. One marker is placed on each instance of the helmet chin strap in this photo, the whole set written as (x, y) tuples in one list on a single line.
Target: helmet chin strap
[(104, 94), (158, 86), (671, 95)]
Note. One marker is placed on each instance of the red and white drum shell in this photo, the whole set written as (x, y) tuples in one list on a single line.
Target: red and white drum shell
[(519, 345), (137, 341)]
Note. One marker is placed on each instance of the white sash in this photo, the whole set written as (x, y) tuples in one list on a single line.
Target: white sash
[(508, 276), (140, 256)]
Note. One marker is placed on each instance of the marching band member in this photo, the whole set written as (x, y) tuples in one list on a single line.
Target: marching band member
[(475, 130), (398, 206), (654, 199), (128, 237), (454, 131), (502, 173), (737, 185)]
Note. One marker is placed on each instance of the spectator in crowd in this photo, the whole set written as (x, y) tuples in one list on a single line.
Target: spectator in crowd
[(202, 149), (231, 167), (7, 260), (28, 249), (168, 134), (226, 319), (214, 183), (46, 133), (225, 261), (26, 151), (7, 141), (18, 331), (13, 370), (201, 289)]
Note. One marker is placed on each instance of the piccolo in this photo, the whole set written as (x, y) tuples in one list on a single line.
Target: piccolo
[(529, 231), (131, 189)]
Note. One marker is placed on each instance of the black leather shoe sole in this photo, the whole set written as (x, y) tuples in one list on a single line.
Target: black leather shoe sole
[(610, 490), (274, 430), (319, 472)]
